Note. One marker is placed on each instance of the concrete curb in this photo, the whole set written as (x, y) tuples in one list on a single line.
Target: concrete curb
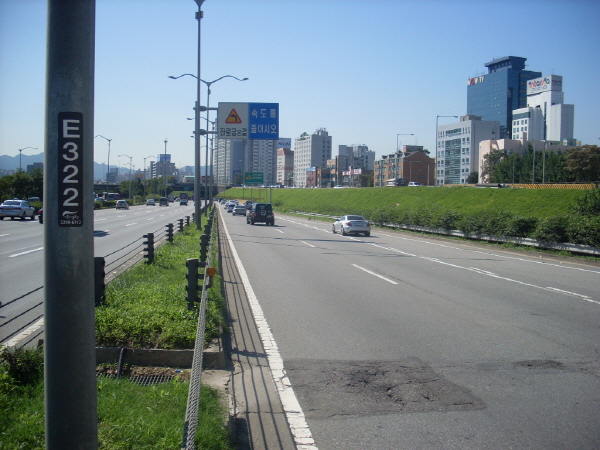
[(212, 358)]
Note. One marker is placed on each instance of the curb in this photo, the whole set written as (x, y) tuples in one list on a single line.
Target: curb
[(213, 357)]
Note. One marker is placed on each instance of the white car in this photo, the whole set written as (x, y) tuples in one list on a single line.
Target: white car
[(351, 225), (239, 209), (150, 202), (17, 208)]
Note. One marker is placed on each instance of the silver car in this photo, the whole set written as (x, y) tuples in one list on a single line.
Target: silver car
[(351, 225), (239, 209), (17, 208)]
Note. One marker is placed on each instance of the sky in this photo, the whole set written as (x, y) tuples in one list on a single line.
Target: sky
[(366, 71)]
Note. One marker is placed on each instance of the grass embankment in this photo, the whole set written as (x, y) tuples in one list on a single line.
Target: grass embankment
[(145, 307), (546, 215), (527, 202)]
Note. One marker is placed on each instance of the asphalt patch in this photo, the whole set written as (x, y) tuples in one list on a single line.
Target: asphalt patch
[(328, 389)]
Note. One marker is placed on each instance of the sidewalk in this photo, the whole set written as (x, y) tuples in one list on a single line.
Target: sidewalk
[(258, 420)]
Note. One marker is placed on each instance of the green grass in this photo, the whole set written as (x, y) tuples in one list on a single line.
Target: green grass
[(526, 202), (146, 307)]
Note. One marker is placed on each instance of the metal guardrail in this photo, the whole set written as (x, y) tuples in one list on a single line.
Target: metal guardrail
[(193, 404), (112, 270)]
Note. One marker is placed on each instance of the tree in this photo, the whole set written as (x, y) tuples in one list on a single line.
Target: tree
[(583, 163), (473, 178)]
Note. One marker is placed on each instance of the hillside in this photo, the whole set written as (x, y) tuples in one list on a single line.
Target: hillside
[(526, 202)]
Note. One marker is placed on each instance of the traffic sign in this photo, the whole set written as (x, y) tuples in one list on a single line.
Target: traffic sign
[(253, 178), (264, 120), (248, 121)]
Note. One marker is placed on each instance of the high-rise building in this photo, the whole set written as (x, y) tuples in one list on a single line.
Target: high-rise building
[(261, 157), (495, 95), (310, 151), (458, 148), (229, 161), (546, 117), (285, 166)]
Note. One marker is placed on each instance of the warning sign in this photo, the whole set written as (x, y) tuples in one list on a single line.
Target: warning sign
[(233, 117)]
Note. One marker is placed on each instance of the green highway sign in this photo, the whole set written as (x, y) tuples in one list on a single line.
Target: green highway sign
[(253, 177)]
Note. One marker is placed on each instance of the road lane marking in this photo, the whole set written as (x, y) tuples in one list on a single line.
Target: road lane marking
[(310, 245), (129, 224), (27, 252), (291, 406), (376, 274)]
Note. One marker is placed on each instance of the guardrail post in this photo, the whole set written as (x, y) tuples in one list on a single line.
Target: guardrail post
[(203, 248), (181, 225), (149, 248), (187, 220), (99, 275), (192, 282), (170, 232)]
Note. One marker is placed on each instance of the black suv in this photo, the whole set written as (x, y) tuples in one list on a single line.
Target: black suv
[(261, 212)]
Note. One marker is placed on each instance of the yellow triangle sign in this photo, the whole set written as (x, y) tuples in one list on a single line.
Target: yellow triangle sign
[(233, 117)]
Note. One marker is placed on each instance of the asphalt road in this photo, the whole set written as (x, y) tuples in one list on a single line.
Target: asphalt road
[(117, 237), (400, 341)]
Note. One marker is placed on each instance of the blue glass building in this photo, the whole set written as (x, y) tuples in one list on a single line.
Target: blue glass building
[(495, 95)]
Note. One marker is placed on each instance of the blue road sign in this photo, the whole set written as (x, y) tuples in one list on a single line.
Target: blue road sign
[(263, 120)]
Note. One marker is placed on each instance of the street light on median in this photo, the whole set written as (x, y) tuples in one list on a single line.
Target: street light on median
[(20, 150), (207, 109)]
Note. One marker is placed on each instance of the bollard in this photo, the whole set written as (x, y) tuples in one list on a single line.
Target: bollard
[(170, 232), (192, 282), (187, 220), (181, 225), (149, 248), (99, 275)]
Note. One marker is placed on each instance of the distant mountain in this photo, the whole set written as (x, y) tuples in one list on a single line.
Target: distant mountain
[(11, 163)]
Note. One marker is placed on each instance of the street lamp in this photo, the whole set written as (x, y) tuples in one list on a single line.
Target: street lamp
[(143, 182), (108, 161), (207, 109), (436, 138), (397, 154), (165, 163), (20, 150), (130, 173)]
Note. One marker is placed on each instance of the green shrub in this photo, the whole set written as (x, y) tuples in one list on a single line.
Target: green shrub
[(588, 204), (447, 220), (584, 230), (519, 226), (552, 229), (25, 366)]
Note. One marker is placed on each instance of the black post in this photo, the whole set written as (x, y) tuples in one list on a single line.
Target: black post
[(192, 282), (170, 232), (149, 243), (99, 275)]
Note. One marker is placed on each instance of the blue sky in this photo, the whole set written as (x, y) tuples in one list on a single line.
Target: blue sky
[(364, 70)]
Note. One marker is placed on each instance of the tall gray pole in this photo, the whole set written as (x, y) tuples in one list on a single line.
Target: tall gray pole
[(71, 418), (197, 173)]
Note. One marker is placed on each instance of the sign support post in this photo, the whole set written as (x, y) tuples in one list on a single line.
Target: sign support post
[(71, 417)]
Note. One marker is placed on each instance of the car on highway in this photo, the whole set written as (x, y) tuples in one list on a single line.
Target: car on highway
[(238, 209), (17, 208), (150, 202), (122, 204), (414, 183), (230, 207), (163, 201), (261, 212), (351, 224), (41, 215)]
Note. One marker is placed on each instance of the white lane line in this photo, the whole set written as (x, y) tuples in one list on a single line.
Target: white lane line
[(293, 411), (310, 245), (130, 224), (376, 274), (25, 333), (2, 235), (277, 229), (27, 252), (573, 294)]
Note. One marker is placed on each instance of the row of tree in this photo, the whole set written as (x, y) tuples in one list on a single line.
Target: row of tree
[(576, 165)]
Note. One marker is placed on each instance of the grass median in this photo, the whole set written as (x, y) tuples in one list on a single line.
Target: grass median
[(146, 307)]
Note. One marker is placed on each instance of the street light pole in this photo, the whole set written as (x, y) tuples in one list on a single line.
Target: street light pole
[(108, 161), (165, 163), (143, 182), (21, 150), (207, 109), (130, 158)]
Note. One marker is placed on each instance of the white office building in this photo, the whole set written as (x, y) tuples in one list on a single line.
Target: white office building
[(458, 148), (229, 161), (546, 117), (310, 151)]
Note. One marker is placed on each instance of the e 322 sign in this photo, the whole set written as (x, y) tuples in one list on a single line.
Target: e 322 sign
[(70, 169)]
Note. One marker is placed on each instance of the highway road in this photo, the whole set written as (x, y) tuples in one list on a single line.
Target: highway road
[(117, 237), (403, 341)]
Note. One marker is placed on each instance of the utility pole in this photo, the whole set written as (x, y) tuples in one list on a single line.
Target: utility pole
[(71, 418)]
